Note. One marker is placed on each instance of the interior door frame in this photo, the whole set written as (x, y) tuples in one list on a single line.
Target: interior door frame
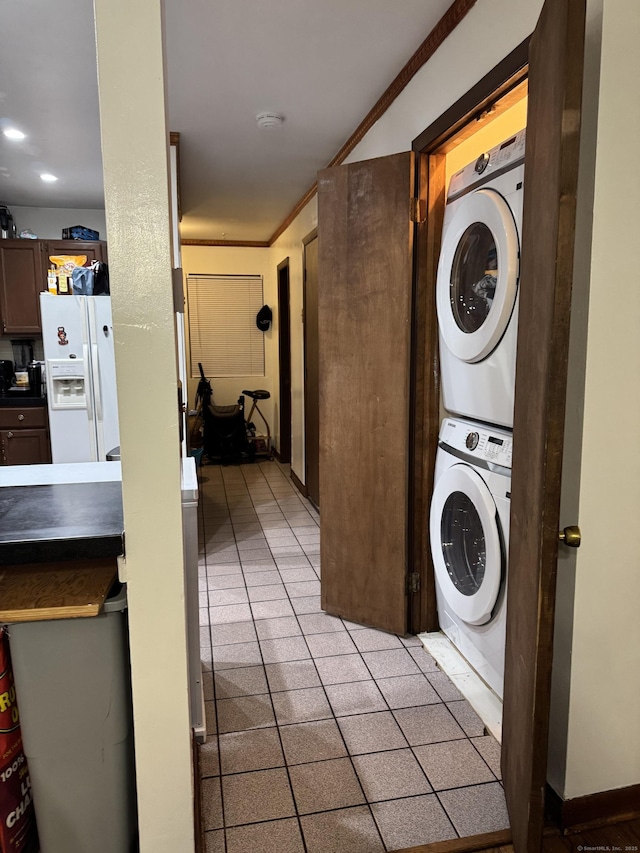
[(309, 238), (555, 48), (465, 117), (284, 360)]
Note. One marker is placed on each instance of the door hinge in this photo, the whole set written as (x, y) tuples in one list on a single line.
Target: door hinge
[(413, 582), (418, 210)]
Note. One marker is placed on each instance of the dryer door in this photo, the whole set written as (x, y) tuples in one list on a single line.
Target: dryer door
[(477, 275), (465, 544)]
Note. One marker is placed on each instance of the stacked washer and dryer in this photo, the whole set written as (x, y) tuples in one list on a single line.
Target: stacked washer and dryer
[(477, 308)]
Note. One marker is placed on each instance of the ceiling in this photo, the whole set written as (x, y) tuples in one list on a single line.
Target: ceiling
[(321, 64)]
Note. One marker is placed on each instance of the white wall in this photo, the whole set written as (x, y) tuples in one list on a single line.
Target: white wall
[(595, 734), (490, 31), (290, 245), (47, 222), (136, 173), (214, 260), (603, 749)]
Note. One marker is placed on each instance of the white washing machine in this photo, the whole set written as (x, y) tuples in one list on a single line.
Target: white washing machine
[(469, 533), (477, 284)]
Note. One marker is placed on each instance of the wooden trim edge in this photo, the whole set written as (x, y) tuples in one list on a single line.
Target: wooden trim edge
[(300, 486), (249, 244), (174, 139), (442, 30), (593, 810), (310, 237), (198, 827), (486, 841)]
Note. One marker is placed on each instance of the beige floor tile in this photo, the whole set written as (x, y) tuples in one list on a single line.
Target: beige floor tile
[(343, 831), (412, 821), (275, 836), (325, 785), (257, 749), (258, 796)]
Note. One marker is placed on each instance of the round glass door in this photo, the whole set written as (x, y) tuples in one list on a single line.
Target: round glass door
[(464, 548), (477, 275), (465, 544), (474, 275)]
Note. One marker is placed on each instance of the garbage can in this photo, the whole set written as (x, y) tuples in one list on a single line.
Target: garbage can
[(73, 688)]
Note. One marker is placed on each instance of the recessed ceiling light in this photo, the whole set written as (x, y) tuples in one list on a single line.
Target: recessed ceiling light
[(14, 133), (48, 178)]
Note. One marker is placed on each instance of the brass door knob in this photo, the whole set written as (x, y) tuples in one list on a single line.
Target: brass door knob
[(571, 536)]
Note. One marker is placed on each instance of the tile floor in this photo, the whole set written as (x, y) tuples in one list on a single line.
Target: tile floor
[(323, 736)]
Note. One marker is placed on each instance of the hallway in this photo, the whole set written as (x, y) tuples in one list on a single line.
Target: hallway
[(323, 736)]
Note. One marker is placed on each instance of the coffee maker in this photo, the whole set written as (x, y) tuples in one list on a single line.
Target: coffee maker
[(22, 358), (7, 225)]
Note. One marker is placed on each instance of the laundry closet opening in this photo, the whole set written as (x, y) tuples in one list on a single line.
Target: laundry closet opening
[(493, 113), (476, 305)]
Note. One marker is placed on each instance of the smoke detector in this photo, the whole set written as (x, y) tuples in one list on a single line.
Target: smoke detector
[(268, 120)]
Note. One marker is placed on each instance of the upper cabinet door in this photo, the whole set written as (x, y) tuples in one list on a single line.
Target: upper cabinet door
[(551, 172), (364, 319), (95, 250), (22, 277)]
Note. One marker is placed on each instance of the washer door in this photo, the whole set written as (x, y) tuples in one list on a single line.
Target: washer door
[(465, 544), (477, 275)]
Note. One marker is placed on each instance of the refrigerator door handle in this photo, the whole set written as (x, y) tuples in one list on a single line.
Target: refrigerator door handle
[(95, 366), (85, 358)]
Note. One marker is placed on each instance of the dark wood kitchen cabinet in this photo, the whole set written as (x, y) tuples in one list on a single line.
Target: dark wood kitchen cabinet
[(95, 250), (22, 277), (24, 436)]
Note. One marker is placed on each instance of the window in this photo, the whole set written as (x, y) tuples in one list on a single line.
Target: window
[(223, 335)]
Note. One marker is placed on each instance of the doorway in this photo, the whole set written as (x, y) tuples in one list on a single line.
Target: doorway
[(549, 68), (284, 355), (311, 372), (470, 126)]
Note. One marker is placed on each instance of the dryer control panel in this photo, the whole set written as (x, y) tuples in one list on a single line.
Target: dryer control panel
[(478, 441), (504, 156)]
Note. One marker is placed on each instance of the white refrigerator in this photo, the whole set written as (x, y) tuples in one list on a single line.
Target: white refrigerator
[(77, 336)]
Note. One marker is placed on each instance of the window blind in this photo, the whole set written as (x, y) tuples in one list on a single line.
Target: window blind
[(223, 335)]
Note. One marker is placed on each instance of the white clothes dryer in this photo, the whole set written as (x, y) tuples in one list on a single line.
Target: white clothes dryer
[(477, 284), (469, 534)]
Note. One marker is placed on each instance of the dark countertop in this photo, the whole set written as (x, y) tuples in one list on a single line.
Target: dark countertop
[(17, 399), (67, 521)]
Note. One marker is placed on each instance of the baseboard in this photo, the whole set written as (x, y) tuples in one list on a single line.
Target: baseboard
[(592, 810), (300, 486)]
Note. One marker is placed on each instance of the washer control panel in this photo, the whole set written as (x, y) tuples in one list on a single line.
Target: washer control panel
[(508, 153), (478, 441)]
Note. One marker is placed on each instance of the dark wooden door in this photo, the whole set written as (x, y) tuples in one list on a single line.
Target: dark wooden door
[(311, 368), (365, 263), (22, 277), (284, 348), (551, 171)]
